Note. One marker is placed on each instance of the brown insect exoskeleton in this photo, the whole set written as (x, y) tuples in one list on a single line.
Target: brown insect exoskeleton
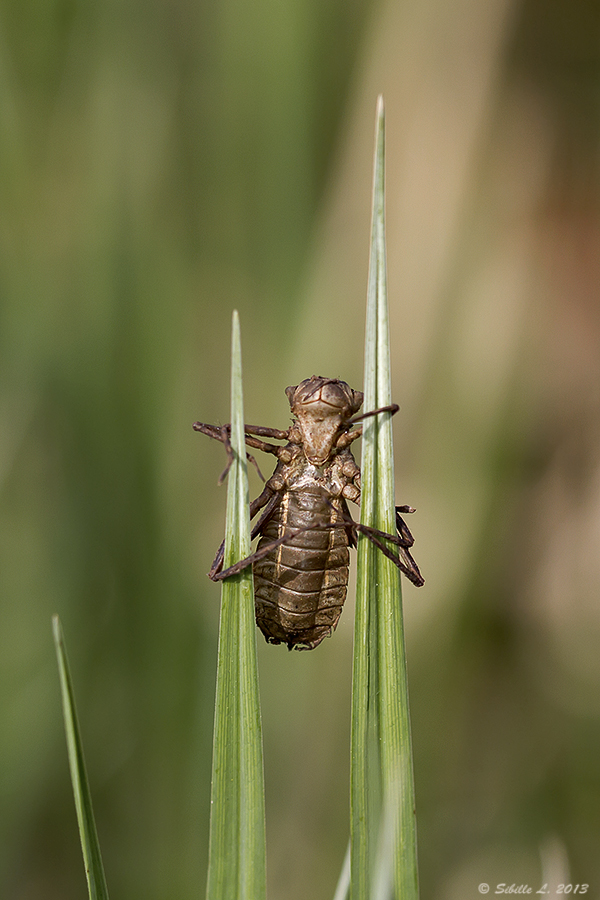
[(301, 562)]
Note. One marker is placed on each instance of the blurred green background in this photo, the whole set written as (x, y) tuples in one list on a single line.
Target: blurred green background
[(165, 162)]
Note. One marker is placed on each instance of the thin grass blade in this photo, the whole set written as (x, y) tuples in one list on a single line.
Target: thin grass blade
[(383, 827), (90, 847), (237, 856)]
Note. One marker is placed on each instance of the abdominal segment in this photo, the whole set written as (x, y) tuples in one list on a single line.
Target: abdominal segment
[(300, 587)]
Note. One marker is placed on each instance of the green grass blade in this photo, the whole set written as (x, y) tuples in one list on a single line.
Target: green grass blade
[(83, 802), (383, 827), (237, 857)]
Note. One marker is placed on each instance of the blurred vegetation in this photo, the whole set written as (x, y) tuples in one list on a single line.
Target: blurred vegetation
[(162, 163)]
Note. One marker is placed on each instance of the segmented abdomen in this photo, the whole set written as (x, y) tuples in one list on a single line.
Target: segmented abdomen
[(300, 587)]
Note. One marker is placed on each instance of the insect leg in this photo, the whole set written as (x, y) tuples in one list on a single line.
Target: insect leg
[(258, 554), (218, 575), (403, 540), (266, 515), (392, 408), (348, 524), (403, 529), (404, 560), (219, 434), (222, 434), (212, 431), (348, 437), (216, 432), (252, 442), (268, 499), (252, 460), (263, 431)]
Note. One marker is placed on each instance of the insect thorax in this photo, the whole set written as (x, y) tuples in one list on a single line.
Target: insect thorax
[(338, 477)]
